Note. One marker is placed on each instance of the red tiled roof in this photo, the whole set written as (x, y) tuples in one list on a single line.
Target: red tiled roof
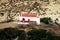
[(29, 15)]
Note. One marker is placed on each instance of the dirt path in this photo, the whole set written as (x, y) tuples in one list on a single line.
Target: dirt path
[(42, 26), (6, 25)]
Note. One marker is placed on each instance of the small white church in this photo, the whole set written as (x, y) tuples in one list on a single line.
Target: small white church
[(26, 18)]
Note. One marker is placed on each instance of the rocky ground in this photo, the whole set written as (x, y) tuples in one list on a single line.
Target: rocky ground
[(10, 8)]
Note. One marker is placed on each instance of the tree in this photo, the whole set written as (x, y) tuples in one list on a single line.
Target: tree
[(22, 35), (40, 34), (49, 36), (12, 33), (46, 20), (36, 34), (2, 35)]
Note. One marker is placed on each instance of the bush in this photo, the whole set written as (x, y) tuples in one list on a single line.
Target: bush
[(2, 35), (49, 36), (46, 20), (36, 34), (12, 33), (56, 37), (22, 35), (40, 34)]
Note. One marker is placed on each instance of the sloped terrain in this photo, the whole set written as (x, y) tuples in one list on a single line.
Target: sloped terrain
[(49, 8), (10, 8), (55, 29)]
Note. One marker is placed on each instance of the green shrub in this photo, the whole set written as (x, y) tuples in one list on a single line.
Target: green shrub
[(22, 35), (40, 34), (12, 33), (2, 35), (45, 20), (36, 34), (49, 36), (56, 37)]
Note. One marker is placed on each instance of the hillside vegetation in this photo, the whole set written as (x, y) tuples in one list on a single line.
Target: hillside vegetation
[(34, 34)]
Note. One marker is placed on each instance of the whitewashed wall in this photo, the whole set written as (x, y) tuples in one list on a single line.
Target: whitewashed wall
[(31, 19)]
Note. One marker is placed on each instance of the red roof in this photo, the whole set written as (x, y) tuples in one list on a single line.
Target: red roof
[(29, 15)]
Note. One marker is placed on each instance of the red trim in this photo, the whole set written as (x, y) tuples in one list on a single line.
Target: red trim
[(28, 21), (29, 15)]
